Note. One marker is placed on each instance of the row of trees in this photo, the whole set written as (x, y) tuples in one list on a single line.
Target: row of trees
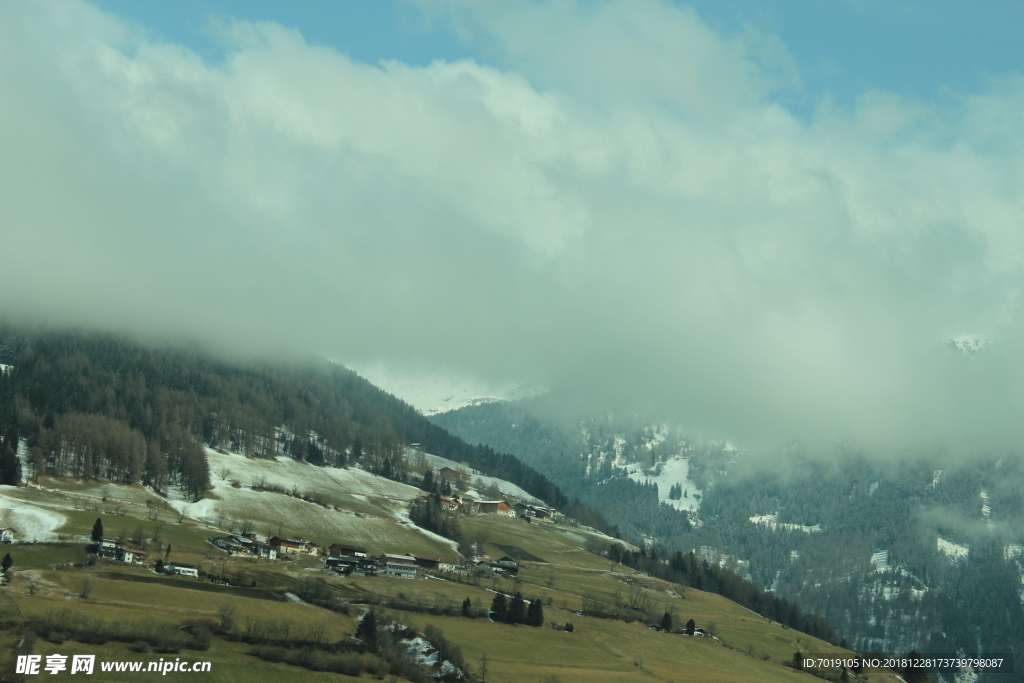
[(516, 610)]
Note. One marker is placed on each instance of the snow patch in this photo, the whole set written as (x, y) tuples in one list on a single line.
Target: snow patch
[(479, 481), (953, 551), (881, 561), (771, 521), (30, 522), (675, 470)]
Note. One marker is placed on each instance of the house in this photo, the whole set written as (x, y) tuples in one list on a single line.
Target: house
[(132, 556), (181, 569), (449, 565), (495, 507), (343, 564), (293, 546), (342, 549), (109, 548), (264, 550), (528, 510), (367, 567), (425, 561), (350, 564), (6, 535), (507, 565), (228, 545), (403, 566), (454, 476)]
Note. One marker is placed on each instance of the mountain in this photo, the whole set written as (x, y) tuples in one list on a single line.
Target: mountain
[(895, 555), (97, 406), (167, 451)]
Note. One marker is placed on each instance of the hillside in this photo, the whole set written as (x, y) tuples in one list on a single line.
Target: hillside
[(102, 407), (262, 614)]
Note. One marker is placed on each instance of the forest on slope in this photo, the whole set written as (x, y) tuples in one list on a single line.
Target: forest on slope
[(921, 554), (98, 406)]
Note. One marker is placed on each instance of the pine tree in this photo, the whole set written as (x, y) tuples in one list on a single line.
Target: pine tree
[(690, 627), (535, 613), (10, 465), (367, 630), (8, 561), (666, 622), (499, 608), (97, 531), (467, 608), (517, 609)]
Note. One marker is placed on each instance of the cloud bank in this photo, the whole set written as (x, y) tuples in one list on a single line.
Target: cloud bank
[(613, 201)]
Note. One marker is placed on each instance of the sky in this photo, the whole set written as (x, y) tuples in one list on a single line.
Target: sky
[(763, 220)]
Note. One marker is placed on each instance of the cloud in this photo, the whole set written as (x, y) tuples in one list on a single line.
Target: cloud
[(613, 201)]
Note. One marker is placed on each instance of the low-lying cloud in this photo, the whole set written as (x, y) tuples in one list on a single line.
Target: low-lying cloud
[(613, 203)]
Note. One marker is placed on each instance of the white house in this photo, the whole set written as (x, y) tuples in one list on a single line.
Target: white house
[(181, 569)]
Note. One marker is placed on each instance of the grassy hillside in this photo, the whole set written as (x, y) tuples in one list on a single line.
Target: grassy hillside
[(49, 578)]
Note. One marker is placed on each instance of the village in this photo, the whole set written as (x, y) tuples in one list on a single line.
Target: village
[(345, 559)]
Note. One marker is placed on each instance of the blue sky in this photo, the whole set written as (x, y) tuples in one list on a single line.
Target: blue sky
[(844, 47)]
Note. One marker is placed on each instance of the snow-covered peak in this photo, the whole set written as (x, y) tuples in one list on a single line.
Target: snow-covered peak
[(432, 393)]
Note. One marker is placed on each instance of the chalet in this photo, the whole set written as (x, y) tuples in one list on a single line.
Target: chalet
[(181, 569), (342, 564), (441, 564), (109, 548), (229, 545), (264, 550), (495, 507), (351, 550), (506, 565), (293, 546), (454, 476), (132, 556), (425, 561), (6, 535), (403, 566), (528, 510), (350, 564)]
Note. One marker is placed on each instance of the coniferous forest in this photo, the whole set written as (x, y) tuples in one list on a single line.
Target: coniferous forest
[(95, 406)]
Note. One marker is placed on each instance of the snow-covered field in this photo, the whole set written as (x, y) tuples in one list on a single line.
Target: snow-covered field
[(673, 471), (362, 508), (30, 522), (288, 473)]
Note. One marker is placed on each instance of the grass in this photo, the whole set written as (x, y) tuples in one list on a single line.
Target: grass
[(44, 555), (599, 649), (229, 663)]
